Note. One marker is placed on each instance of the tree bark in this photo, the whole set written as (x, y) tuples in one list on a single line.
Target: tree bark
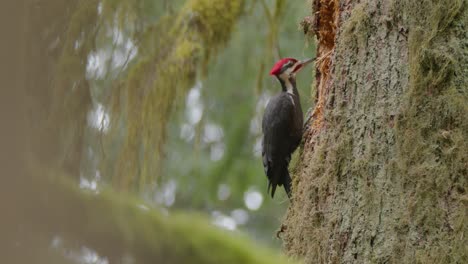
[(383, 170)]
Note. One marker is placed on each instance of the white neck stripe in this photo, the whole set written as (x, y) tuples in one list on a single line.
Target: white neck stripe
[(289, 86)]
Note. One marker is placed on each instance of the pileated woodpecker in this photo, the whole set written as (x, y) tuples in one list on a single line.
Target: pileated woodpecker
[(282, 125)]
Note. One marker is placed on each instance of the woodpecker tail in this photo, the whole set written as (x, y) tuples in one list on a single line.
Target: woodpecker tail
[(280, 177), (271, 186), (287, 184)]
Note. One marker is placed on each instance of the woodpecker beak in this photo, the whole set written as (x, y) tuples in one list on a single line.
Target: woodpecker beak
[(301, 64)]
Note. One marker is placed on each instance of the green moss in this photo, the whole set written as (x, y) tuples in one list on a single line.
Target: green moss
[(175, 53), (433, 128), (69, 91), (357, 27), (119, 226), (385, 179)]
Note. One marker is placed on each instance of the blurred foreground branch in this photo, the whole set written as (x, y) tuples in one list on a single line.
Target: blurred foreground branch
[(49, 215)]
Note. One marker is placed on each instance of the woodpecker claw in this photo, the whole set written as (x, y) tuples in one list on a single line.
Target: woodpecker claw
[(281, 230)]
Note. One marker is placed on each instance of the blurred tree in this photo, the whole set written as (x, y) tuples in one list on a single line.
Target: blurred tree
[(383, 173), (102, 79), (106, 74)]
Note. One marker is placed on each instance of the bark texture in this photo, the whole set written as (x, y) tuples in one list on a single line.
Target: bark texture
[(383, 171)]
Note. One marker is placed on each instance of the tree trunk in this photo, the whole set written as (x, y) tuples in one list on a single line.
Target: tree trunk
[(383, 170)]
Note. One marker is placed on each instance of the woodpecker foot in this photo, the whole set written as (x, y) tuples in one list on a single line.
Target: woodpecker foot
[(281, 230)]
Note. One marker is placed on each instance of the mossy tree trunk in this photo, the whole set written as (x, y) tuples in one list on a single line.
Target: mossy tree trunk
[(383, 170)]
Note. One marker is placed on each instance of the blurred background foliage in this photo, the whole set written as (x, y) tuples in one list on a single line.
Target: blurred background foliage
[(163, 99), (213, 151)]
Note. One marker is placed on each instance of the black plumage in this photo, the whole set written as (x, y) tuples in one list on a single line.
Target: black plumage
[(282, 133)]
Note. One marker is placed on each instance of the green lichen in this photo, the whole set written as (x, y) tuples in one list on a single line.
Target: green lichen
[(115, 226), (176, 51), (356, 29), (385, 180), (69, 90), (433, 129)]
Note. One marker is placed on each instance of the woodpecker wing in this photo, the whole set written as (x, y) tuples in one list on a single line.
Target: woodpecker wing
[(277, 125)]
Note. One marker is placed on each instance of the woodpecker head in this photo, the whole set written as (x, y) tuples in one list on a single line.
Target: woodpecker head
[(287, 68)]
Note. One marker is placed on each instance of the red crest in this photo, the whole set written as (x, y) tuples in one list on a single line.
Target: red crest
[(278, 65)]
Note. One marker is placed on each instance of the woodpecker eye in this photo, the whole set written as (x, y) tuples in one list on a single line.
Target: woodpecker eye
[(286, 65), (281, 65)]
